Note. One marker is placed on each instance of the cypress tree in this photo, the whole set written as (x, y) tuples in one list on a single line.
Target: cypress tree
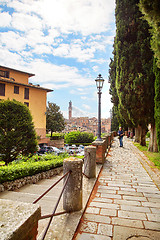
[(151, 11), (157, 103), (134, 67)]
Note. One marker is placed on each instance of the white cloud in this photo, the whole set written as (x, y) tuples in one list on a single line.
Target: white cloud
[(47, 73), (24, 22), (25, 6), (12, 41), (85, 106), (82, 50), (95, 68), (59, 32), (77, 51), (10, 59), (77, 112), (42, 49), (79, 91), (44, 24), (5, 19), (83, 97), (83, 16)]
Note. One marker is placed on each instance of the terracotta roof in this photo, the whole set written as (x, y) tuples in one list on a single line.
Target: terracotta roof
[(7, 68), (9, 80)]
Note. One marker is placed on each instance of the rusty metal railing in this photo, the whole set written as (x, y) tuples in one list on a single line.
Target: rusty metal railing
[(55, 208)]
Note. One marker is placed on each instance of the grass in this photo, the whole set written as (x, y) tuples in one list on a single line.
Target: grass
[(152, 156)]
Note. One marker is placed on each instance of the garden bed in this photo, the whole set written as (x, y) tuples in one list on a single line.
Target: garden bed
[(29, 170), (18, 183)]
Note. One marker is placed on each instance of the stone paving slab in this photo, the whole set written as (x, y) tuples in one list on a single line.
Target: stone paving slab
[(126, 201)]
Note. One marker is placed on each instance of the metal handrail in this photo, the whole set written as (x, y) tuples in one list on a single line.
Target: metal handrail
[(53, 213), (50, 188), (50, 215)]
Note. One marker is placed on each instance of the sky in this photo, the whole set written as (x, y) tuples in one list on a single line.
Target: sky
[(66, 44)]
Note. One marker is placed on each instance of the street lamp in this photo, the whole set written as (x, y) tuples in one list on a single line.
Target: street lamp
[(99, 83)]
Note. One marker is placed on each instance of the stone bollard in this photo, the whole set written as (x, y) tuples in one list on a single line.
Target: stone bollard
[(107, 145), (18, 220), (109, 141), (100, 153), (90, 161), (72, 196)]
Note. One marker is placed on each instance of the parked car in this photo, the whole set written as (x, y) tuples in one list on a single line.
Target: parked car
[(49, 149), (81, 146), (44, 149), (81, 153), (56, 150), (73, 150)]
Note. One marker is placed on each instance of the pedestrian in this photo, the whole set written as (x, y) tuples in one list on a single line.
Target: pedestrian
[(120, 136)]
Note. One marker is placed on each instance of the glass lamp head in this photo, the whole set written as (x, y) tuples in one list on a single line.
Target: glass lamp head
[(99, 82)]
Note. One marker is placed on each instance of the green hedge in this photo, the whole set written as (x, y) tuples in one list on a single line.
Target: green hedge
[(84, 144), (21, 168), (57, 136), (78, 137)]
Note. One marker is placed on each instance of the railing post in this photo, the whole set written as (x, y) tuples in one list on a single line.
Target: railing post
[(100, 153), (72, 196), (109, 140), (90, 161)]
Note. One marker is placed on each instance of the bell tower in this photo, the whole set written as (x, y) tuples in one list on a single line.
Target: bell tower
[(70, 110)]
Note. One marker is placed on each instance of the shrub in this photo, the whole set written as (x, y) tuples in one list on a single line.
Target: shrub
[(57, 136), (79, 137), (17, 132), (23, 167)]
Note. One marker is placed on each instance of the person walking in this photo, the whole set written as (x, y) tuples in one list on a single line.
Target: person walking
[(120, 136)]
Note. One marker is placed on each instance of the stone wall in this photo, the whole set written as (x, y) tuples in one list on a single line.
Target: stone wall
[(57, 143), (19, 221), (29, 180)]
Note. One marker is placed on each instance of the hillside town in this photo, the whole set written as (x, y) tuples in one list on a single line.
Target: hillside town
[(85, 124)]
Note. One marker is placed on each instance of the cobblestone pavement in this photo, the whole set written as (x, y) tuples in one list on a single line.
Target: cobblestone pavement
[(125, 203)]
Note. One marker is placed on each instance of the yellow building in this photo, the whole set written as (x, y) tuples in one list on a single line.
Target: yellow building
[(15, 84)]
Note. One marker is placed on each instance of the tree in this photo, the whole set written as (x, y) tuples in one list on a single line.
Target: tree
[(157, 103), (134, 67), (119, 116), (17, 133), (114, 120), (151, 11), (55, 121)]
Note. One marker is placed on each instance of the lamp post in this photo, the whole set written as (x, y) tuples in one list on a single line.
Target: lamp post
[(99, 83)]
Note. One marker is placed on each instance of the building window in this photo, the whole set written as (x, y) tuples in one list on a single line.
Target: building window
[(27, 104), (26, 93), (4, 74), (16, 89), (2, 89)]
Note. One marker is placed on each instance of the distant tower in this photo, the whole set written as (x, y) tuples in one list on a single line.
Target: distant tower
[(70, 110)]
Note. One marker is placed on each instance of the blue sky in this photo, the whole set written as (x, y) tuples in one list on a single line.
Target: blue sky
[(65, 43)]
